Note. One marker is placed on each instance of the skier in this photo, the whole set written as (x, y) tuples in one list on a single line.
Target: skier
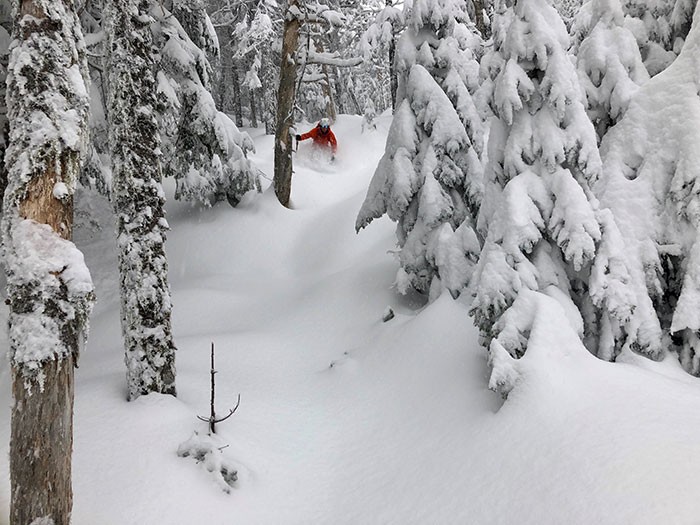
[(322, 136)]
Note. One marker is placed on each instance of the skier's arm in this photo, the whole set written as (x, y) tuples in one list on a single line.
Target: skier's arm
[(305, 136), (334, 143)]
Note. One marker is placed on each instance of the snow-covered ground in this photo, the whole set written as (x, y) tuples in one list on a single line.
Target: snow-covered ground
[(345, 419)]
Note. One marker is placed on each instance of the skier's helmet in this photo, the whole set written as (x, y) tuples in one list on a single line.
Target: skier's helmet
[(324, 124)]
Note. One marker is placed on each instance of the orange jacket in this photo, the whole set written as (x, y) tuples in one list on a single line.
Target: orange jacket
[(322, 139)]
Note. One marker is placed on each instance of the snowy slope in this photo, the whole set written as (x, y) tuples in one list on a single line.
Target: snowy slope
[(345, 419)]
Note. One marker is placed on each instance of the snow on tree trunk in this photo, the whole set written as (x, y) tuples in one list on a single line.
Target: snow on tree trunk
[(545, 230), (285, 105), (50, 292), (4, 131), (652, 161), (429, 179), (139, 200)]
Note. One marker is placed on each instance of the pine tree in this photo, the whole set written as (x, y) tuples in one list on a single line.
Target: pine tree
[(381, 37), (681, 20), (139, 199), (544, 229), (50, 292), (206, 152), (608, 61), (650, 21), (252, 38), (652, 160), (429, 179)]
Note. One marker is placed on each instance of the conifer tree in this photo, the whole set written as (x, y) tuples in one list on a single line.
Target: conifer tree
[(381, 36), (543, 226), (205, 151), (608, 61), (252, 37), (651, 158), (429, 179), (650, 22)]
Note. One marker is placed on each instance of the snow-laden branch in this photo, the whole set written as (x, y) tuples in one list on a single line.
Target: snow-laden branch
[(314, 77), (332, 59)]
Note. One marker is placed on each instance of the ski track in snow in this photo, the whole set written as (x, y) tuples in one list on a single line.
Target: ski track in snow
[(345, 419)]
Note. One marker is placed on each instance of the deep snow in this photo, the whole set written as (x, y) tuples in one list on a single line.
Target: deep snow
[(345, 419)]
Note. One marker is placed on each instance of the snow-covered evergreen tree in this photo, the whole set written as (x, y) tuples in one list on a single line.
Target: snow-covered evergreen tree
[(139, 199), (544, 230), (429, 179), (194, 19), (320, 54), (49, 289), (651, 160), (608, 61), (681, 20), (254, 37), (650, 22), (205, 152), (380, 37)]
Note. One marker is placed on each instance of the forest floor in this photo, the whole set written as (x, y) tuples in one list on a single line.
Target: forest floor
[(345, 419)]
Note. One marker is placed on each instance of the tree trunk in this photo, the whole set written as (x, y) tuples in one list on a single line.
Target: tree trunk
[(268, 106), (253, 109), (38, 222), (285, 107), (139, 201), (41, 444), (479, 19), (393, 73), (224, 76), (338, 92), (327, 88), (237, 106)]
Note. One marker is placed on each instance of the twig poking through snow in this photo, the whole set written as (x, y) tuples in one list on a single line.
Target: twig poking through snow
[(388, 314), (212, 420)]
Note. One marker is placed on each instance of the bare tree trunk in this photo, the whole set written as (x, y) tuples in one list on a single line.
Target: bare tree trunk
[(338, 93), (237, 107), (393, 73), (41, 445), (268, 104), (327, 89), (253, 109), (285, 107), (224, 76), (479, 19), (37, 227)]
